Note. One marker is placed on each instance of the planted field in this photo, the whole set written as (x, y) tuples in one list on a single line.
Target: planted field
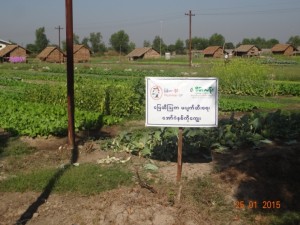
[(117, 92), (228, 171)]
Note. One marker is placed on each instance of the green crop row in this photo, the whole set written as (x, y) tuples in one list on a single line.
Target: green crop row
[(253, 129), (250, 77), (120, 99), (287, 88), (32, 119)]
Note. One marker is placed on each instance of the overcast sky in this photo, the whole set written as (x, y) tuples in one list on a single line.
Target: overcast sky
[(143, 20)]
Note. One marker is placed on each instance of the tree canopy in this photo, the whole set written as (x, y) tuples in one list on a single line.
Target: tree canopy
[(294, 40), (259, 42), (159, 45), (216, 40), (120, 42), (41, 41)]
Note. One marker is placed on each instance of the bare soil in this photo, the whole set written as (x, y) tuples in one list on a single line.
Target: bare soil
[(270, 173)]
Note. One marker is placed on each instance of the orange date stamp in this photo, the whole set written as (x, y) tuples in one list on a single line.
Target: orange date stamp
[(265, 204)]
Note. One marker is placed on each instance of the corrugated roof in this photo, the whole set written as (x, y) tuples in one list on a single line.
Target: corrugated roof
[(5, 42), (211, 50), (138, 52), (244, 48), (7, 50)]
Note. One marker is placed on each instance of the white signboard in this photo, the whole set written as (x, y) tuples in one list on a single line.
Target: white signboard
[(181, 102)]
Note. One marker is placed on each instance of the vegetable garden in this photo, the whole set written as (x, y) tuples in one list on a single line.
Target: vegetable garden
[(258, 115), (34, 96)]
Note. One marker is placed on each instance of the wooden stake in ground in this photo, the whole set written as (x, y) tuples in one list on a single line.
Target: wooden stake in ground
[(179, 159)]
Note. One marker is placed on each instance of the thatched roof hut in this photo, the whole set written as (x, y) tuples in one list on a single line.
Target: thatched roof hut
[(284, 49), (14, 54), (51, 54), (213, 51), (247, 50), (143, 53), (81, 53)]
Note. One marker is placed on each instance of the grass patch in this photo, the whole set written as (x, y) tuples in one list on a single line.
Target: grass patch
[(14, 147), (287, 218), (85, 179)]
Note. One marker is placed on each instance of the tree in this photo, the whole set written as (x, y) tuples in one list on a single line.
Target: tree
[(85, 42), (229, 45), (294, 40), (147, 43), (76, 39), (270, 43), (259, 42), (41, 40), (179, 46), (120, 42), (159, 45), (97, 45), (216, 40), (31, 47), (131, 46), (171, 48), (198, 43)]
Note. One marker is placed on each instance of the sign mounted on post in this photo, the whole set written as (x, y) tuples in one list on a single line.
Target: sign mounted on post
[(181, 102)]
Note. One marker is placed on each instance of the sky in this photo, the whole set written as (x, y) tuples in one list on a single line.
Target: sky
[(143, 20)]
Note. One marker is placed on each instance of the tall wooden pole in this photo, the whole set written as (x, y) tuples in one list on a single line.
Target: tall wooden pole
[(190, 36), (70, 73)]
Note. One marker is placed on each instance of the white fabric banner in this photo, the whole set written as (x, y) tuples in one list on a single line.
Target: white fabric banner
[(181, 102)]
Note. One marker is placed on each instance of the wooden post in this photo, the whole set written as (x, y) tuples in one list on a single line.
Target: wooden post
[(70, 73), (179, 159), (190, 36)]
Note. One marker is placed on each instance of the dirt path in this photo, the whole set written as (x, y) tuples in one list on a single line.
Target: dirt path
[(264, 174), (133, 205)]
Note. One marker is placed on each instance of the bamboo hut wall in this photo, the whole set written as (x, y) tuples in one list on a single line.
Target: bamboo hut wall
[(82, 55), (55, 56)]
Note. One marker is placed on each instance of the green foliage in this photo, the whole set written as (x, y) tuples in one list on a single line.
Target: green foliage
[(216, 40), (160, 143), (34, 119), (118, 99), (229, 105), (120, 41), (232, 133), (260, 42), (97, 45), (41, 40), (294, 40), (243, 77), (287, 88)]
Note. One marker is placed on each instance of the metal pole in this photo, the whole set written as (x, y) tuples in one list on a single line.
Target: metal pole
[(70, 73), (179, 158)]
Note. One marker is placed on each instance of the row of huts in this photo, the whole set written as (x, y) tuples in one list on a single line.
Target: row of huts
[(250, 50), (218, 51), (15, 53)]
